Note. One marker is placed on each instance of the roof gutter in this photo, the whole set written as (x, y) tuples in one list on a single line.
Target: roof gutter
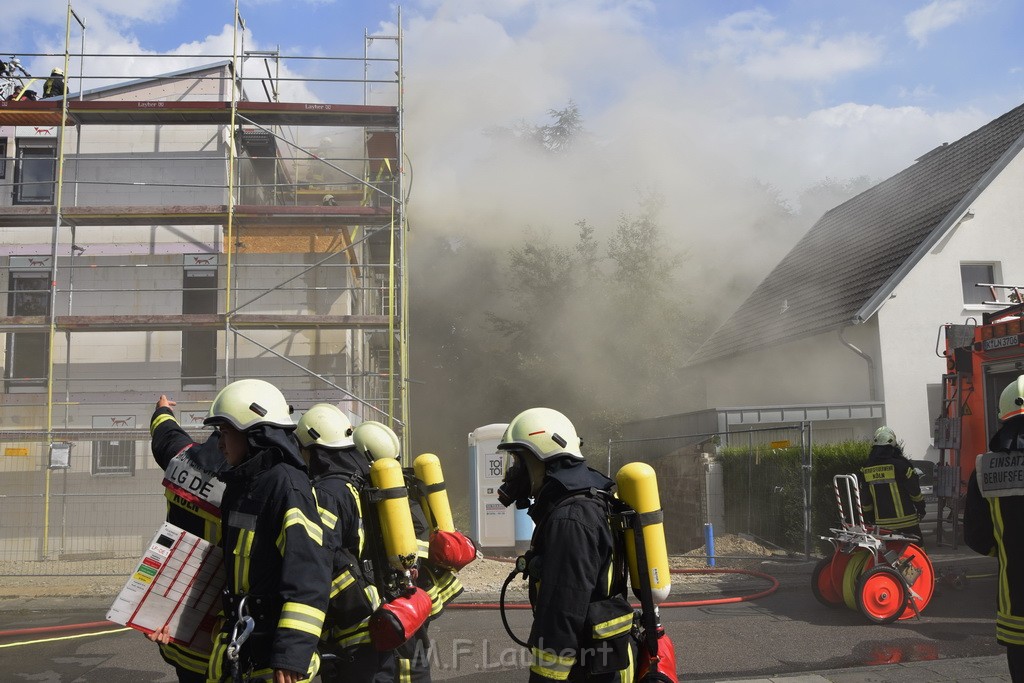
[(952, 219), (872, 385)]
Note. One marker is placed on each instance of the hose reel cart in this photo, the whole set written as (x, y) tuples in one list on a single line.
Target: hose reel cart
[(883, 574)]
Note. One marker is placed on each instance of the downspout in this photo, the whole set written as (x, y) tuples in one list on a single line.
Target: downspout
[(872, 389)]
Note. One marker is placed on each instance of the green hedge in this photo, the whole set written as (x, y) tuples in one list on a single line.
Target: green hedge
[(764, 492)]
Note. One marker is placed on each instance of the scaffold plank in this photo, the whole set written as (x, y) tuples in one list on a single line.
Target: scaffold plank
[(211, 321)]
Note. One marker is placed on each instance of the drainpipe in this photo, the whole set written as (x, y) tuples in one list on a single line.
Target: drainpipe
[(872, 390)]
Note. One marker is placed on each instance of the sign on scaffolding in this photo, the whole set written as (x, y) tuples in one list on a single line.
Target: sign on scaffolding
[(176, 586)]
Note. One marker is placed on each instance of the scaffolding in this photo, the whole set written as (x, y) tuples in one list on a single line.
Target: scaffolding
[(171, 233)]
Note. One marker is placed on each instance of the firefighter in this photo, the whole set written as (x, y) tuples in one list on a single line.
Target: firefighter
[(339, 473), (54, 85), (412, 657), (193, 495), (278, 576), (994, 520), (441, 584), (890, 490), (577, 578)]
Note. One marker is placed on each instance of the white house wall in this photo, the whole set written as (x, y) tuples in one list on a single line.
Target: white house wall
[(931, 295), (819, 369)]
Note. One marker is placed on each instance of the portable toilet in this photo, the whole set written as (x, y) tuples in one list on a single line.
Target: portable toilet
[(493, 526)]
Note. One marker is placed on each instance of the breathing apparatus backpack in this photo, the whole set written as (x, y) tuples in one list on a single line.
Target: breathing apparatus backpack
[(391, 551), (637, 524)]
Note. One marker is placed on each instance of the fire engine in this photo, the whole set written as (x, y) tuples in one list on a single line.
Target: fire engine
[(981, 359)]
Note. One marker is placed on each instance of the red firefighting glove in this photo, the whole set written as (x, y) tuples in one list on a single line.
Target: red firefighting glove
[(396, 621), (662, 671), (451, 549)]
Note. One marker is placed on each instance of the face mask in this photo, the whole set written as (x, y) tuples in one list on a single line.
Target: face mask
[(515, 487)]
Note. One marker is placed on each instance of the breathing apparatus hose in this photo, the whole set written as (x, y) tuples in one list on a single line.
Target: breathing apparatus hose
[(520, 568)]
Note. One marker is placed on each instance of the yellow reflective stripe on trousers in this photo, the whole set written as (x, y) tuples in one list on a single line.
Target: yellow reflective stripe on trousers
[(404, 670), (182, 657), (218, 657), (299, 617), (294, 516), (613, 627), (626, 675), (550, 665), (243, 547)]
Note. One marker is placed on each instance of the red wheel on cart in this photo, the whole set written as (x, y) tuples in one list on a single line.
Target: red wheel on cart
[(824, 589), (880, 594), (920, 575)]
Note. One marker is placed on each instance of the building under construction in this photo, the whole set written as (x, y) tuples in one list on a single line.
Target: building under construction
[(173, 233)]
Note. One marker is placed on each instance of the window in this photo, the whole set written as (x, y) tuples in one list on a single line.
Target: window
[(975, 273), (27, 358), (113, 457), (199, 347), (35, 172), (3, 158)]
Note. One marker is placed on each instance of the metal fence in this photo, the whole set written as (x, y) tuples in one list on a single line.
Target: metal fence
[(755, 482), (79, 503)]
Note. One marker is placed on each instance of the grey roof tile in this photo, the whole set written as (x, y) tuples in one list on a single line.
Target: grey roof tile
[(852, 254)]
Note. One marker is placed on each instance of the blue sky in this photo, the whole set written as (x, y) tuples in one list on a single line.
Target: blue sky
[(695, 99)]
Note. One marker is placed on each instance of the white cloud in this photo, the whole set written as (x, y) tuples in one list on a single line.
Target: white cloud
[(751, 42), (935, 16)]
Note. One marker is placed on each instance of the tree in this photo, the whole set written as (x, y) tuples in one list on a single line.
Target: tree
[(557, 137)]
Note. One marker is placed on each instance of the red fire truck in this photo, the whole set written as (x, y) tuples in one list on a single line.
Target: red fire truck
[(981, 359)]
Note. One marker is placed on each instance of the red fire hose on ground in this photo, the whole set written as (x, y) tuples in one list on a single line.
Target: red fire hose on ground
[(685, 603)]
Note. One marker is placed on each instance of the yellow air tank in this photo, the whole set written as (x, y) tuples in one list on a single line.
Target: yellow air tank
[(638, 487), (427, 468), (393, 512)]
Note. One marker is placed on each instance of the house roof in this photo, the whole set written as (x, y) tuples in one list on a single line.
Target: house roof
[(851, 260), (146, 80)]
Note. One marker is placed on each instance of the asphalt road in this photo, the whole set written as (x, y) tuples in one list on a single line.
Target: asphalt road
[(786, 632)]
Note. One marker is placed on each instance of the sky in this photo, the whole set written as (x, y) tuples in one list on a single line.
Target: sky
[(698, 101)]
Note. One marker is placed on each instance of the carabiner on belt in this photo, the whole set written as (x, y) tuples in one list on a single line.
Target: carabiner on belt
[(241, 631)]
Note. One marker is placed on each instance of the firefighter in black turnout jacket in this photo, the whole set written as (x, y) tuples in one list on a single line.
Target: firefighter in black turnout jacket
[(338, 474), (278, 574), (994, 520), (581, 615), (193, 495), (890, 489)]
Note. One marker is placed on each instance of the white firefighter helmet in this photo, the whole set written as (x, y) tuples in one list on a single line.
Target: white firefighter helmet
[(376, 440), (248, 403), (544, 432), (884, 437), (325, 425), (1011, 401)]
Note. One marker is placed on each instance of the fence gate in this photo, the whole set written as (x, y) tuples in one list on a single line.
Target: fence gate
[(765, 479)]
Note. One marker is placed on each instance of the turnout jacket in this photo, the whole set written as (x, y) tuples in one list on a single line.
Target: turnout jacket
[(337, 478), (193, 495), (273, 553), (577, 578), (995, 526), (890, 490)]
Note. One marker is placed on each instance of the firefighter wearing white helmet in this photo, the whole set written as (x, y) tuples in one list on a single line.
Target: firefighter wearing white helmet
[(339, 472), (994, 519), (381, 446), (572, 560), (276, 568), (193, 495), (890, 489)]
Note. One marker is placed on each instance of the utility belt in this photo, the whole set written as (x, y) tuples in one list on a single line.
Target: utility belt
[(265, 610)]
